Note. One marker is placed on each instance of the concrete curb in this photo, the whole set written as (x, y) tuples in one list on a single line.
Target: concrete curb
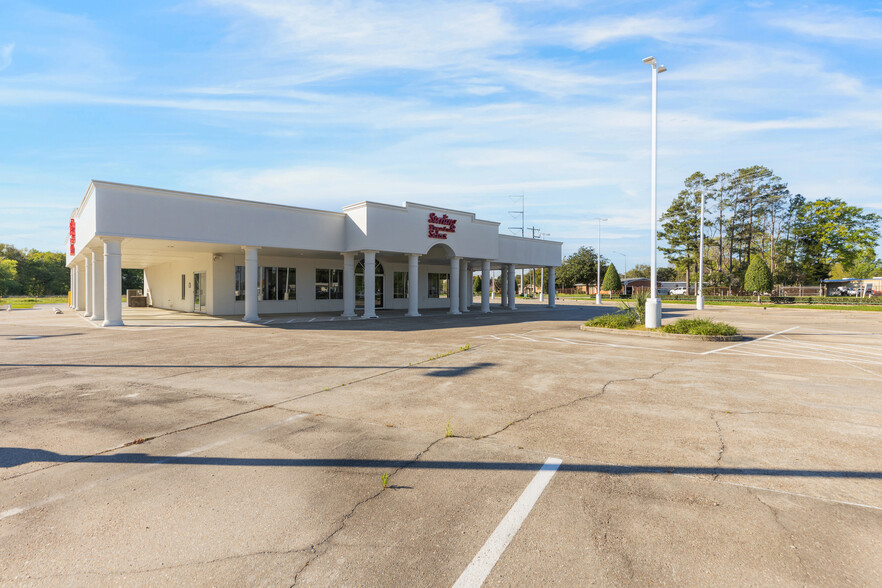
[(661, 334)]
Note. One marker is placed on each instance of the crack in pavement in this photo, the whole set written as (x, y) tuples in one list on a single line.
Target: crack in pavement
[(174, 566), (314, 548), (570, 403), (722, 445), (798, 416), (139, 441), (775, 514)]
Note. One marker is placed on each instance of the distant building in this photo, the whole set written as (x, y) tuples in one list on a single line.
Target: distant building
[(859, 287)]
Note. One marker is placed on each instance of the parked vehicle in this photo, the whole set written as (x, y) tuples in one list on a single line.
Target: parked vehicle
[(678, 291)]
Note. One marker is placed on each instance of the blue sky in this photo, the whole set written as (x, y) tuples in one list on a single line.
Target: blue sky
[(459, 104)]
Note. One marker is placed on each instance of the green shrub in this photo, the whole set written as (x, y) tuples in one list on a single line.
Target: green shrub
[(638, 311), (619, 320), (699, 327)]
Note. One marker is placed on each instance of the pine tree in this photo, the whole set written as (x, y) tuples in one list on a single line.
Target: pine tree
[(611, 281)]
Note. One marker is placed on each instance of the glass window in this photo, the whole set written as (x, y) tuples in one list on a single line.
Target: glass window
[(336, 284), (438, 285), (288, 283), (240, 282), (328, 284), (322, 288), (378, 268), (183, 286), (270, 282), (399, 285)]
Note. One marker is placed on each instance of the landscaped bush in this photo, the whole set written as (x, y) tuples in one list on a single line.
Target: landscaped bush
[(619, 320), (699, 327)]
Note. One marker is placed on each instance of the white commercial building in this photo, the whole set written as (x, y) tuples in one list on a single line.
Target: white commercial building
[(224, 256)]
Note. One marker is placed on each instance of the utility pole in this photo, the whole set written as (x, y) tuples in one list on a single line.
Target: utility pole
[(537, 234), (542, 272), (522, 229)]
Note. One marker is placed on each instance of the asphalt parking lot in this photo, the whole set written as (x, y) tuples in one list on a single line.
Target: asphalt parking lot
[(519, 450)]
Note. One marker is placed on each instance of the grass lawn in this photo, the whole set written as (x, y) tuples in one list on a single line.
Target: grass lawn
[(865, 307), (25, 302)]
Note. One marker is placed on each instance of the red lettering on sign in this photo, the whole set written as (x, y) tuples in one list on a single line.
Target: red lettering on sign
[(439, 226), (73, 236)]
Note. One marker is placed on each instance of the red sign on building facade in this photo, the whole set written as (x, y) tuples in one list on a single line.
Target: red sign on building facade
[(439, 226), (73, 236)]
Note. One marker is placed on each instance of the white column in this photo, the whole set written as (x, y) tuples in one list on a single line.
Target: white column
[(541, 284), (98, 287), (349, 284), (551, 287), (413, 284), (454, 286), (112, 283), (485, 286), (511, 286), (81, 285), (73, 286), (370, 285), (251, 284), (87, 285), (465, 286)]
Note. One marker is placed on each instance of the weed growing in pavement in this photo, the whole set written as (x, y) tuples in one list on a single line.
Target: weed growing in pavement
[(448, 430), (385, 479), (451, 352)]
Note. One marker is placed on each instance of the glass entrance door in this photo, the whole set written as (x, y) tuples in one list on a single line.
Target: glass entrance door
[(199, 292), (378, 285)]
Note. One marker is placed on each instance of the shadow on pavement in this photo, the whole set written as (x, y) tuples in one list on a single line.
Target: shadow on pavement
[(15, 456), (431, 371)]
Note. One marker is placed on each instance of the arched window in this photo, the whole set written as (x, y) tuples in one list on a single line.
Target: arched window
[(378, 268)]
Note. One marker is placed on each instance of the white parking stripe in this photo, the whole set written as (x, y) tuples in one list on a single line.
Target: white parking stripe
[(477, 571), (832, 347), (748, 342)]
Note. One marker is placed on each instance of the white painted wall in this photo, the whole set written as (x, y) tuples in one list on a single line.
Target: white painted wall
[(162, 283), (383, 227), (132, 211)]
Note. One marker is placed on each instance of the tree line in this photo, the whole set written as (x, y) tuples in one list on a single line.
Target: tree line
[(750, 212), (28, 272)]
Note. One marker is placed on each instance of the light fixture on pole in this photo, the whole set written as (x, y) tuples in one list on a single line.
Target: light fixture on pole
[(699, 296), (653, 305), (599, 220)]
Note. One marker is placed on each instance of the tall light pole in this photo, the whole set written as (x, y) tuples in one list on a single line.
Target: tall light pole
[(699, 297), (599, 220), (653, 305)]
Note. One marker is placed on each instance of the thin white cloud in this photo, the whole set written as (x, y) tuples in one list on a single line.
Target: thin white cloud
[(832, 24), (607, 30), (409, 35), (6, 55)]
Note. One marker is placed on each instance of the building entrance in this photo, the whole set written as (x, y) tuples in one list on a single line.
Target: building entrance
[(378, 285), (199, 292)]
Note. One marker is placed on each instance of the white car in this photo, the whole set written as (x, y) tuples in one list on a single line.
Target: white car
[(678, 291)]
